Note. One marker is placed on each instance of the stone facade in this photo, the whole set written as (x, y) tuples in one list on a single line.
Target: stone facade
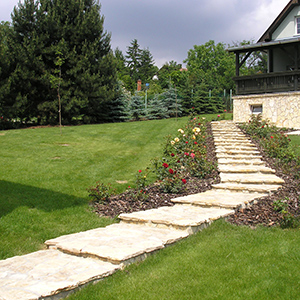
[(281, 109)]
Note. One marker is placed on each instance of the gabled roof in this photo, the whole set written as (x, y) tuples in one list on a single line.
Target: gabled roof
[(267, 36)]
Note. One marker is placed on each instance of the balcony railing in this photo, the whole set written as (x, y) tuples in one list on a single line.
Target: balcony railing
[(268, 83)]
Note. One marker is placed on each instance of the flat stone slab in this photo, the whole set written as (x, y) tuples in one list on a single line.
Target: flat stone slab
[(241, 162), (223, 199), (237, 152), (117, 243), (188, 217), (250, 178), (247, 188), (238, 156), (47, 273), (236, 148), (228, 168)]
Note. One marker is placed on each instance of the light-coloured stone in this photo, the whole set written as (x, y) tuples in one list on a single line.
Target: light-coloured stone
[(233, 161), (117, 243), (229, 168), (187, 217), (224, 199), (51, 272), (282, 109), (246, 188), (250, 178)]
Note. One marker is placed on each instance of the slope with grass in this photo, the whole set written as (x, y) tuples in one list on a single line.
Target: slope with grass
[(45, 176)]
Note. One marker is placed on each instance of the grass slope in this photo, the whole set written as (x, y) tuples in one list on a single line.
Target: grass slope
[(44, 176)]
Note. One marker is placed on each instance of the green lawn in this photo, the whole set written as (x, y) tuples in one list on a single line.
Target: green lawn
[(44, 176), (43, 182), (295, 140), (221, 262)]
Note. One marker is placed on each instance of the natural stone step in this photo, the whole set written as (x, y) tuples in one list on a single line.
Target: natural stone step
[(238, 156), (231, 142), (231, 137), (250, 178), (229, 168), (46, 273), (247, 188), (187, 217), (237, 151), (117, 243), (213, 198), (236, 147), (240, 162)]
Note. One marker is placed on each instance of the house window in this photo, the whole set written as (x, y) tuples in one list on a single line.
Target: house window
[(256, 109), (297, 23)]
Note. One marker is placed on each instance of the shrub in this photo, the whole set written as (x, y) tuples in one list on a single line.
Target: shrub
[(101, 192), (184, 155)]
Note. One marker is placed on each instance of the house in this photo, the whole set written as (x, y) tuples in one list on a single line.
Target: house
[(275, 94)]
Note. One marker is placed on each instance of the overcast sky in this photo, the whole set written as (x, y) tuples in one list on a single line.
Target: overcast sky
[(169, 28)]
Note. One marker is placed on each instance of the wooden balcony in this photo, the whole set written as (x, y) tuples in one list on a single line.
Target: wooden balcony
[(268, 83)]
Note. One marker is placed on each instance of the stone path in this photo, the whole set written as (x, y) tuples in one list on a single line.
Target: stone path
[(71, 261)]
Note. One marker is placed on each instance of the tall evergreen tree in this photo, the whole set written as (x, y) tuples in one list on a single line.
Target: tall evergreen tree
[(147, 69), (136, 107), (41, 28), (156, 108), (133, 59), (171, 102)]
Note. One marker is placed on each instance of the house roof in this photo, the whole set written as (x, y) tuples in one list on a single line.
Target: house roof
[(263, 45), (265, 40), (267, 36)]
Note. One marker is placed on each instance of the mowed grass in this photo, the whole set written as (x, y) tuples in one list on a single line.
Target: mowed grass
[(45, 176), (43, 182), (221, 262), (295, 141)]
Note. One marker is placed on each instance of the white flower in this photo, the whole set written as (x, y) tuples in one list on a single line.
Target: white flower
[(196, 129), (176, 139), (172, 142), (181, 131)]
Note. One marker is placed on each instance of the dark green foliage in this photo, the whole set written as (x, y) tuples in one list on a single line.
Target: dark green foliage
[(74, 28), (140, 65), (136, 107), (156, 108), (171, 102)]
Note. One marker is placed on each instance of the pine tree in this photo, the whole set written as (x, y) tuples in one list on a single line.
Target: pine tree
[(156, 109), (74, 28), (136, 107), (171, 102), (133, 59), (147, 69)]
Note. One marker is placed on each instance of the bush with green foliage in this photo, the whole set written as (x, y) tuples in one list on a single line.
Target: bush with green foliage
[(184, 156)]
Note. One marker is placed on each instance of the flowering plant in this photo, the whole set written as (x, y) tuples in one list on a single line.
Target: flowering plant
[(184, 155)]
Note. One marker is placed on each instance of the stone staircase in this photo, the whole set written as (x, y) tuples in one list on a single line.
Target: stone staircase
[(71, 261)]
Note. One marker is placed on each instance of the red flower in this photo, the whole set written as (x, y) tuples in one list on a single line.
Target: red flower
[(172, 154), (140, 171), (195, 143), (272, 136), (171, 171), (165, 165), (184, 181), (186, 153), (225, 110), (186, 142)]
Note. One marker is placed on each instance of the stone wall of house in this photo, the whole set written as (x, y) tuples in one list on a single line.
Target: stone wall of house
[(282, 109)]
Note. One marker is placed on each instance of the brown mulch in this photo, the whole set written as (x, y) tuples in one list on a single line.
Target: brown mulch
[(261, 213)]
